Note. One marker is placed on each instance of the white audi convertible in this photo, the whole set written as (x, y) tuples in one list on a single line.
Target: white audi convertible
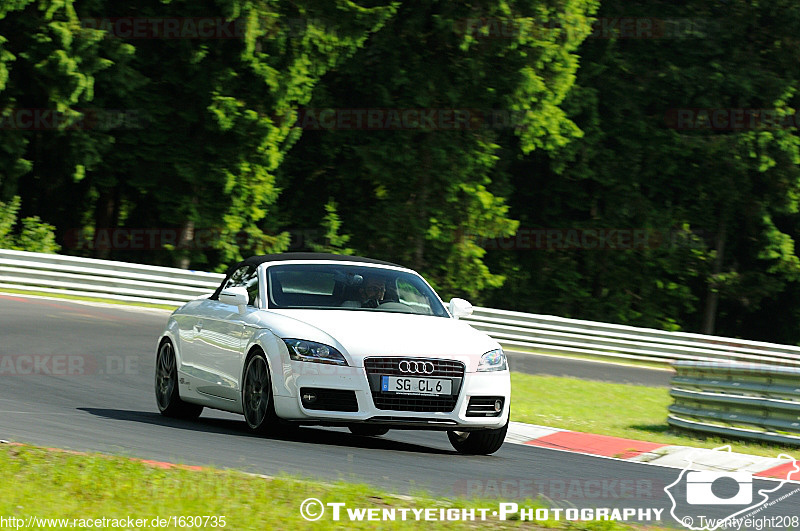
[(320, 339)]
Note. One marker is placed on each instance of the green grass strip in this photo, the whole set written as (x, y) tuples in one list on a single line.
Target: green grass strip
[(621, 410), (57, 484)]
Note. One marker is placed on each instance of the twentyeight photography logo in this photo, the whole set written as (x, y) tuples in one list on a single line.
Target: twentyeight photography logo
[(729, 496)]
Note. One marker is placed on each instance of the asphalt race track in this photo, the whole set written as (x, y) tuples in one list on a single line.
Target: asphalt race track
[(92, 389), (588, 370)]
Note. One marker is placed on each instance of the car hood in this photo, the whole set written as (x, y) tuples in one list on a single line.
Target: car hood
[(361, 334)]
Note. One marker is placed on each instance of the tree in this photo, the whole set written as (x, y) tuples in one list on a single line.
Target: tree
[(333, 241), (218, 115), (648, 161), (417, 187), (33, 235), (47, 68), (165, 132)]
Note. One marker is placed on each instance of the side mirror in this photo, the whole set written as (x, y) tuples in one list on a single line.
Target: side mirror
[(459, 307), (237, 296)]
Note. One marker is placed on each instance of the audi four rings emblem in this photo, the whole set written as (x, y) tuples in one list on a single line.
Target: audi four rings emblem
[(418, 367)]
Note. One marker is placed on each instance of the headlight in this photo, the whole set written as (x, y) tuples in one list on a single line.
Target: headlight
[(302, 350), (494, 360)]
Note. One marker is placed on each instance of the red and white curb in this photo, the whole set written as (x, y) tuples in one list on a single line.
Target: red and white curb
[(650, 453)]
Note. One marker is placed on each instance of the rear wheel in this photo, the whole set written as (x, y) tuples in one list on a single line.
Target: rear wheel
[(167, 396), (257, 400), (482, 442), (365, 430)]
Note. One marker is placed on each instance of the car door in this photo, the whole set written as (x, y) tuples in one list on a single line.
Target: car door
[(222, 337), (188, 340)]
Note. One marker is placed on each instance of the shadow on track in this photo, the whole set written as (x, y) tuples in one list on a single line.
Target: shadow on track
[(239, 428)]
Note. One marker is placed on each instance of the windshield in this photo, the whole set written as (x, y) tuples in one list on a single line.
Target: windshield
[(335, 286)]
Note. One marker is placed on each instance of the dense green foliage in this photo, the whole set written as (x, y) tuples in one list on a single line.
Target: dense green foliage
[(485, 144), (720, 203), (28, 234)]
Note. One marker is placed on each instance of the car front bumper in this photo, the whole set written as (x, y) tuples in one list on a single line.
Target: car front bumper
[(349, 388)]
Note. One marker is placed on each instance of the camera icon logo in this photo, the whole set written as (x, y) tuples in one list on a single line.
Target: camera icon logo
[(719, 488), (735, 494)]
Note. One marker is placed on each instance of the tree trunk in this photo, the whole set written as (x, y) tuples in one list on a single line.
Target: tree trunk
[(422, 211), (712, 298), (184, 244), (104, 220)]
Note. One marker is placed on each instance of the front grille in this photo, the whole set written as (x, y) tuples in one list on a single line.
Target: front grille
[(377, 367), (391, 367), (483, 406), (329, 399)]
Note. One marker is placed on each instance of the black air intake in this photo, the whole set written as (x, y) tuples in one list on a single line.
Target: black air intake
[(485, 406), (328, 399)]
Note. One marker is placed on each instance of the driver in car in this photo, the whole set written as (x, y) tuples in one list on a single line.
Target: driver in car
[(372, 292)]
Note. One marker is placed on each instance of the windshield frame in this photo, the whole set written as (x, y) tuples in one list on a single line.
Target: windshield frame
[(343, 289)]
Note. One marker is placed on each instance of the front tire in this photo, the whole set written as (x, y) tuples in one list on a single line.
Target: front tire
[(482, 442), (167, 396), (365, 430), (257, 401)]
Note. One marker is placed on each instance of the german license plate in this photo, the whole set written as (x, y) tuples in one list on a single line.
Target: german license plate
[(416, 386)]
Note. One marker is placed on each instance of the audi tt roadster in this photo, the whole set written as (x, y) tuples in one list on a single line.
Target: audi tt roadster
[(321, 339)]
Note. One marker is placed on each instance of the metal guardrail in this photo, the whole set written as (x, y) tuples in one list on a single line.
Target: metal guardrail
[(122, 281), (559, 335), (88, 277), (751, 401)]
